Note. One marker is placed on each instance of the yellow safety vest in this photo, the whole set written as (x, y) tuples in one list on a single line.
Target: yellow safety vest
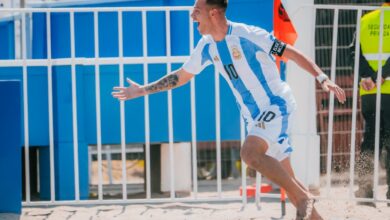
[(369, 41)]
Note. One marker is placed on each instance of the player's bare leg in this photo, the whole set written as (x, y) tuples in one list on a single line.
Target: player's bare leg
[(287, 166), (253, 153)]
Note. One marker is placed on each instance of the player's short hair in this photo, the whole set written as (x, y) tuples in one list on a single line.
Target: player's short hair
[(387, 1), (219, 3)]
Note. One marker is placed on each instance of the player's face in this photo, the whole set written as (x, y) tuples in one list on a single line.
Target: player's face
[(201, 15)]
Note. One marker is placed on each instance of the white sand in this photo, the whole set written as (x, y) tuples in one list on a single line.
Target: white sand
[(335, 210), (330, 209)]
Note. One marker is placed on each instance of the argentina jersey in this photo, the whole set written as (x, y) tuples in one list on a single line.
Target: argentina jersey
[(245, 58)]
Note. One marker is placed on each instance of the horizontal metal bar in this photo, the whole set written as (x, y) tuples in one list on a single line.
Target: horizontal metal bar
[(337, 68), (188, 200), (143, 201), (64, 3), (341, 132), (330, 47), (93, 61), (117, 151), (351, 200), (331, 26), (338, 154), (101, 9), (129, 201), (344, 7)]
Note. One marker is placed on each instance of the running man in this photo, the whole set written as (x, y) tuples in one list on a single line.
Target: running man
[(244, 55)]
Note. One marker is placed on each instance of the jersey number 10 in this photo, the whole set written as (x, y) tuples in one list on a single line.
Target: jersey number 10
[(267, 116), (231, 71)]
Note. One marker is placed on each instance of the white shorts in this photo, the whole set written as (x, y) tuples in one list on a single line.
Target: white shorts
[(275, 133)]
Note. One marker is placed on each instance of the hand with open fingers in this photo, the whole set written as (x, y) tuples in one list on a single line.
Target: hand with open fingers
[(330, 86), (134, 90)]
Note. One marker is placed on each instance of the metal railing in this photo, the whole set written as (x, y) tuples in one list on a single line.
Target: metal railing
[(97, 61), (336, 10), (50, 62)]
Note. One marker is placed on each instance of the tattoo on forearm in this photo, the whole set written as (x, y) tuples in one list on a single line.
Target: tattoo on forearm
[(165, 83)]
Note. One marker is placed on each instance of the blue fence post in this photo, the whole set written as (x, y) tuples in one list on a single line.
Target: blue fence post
[(10, 147)]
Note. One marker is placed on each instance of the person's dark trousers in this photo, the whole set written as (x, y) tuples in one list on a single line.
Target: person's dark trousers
[(365, 163)]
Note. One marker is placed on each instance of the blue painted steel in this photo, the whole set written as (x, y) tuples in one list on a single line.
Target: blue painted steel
[(38, 103), (64, 170), (7, 44), (63, 138), (247, 11), (10, 147)]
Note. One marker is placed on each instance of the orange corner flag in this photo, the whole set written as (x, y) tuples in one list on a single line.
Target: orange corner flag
[(283, 28)]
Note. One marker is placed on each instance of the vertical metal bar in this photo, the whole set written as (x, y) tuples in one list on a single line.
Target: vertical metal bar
[(89, 165), (17, 37), (74, 110), (193, 118), (50, 103), (16, 43), (38, 174), (147, 115), (378, 105), (98, 113), (109, 163), (243, 164), (29, 28), (258, 189), (354, 106), (331, 104), (218, 132), (25, 110), (170, 111), (122, 106)]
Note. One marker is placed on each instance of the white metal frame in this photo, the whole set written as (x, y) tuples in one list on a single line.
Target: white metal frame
[(359, 9), (121, 60), (145, 60)]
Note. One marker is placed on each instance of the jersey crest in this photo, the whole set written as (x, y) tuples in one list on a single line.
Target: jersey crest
[(236, 53)]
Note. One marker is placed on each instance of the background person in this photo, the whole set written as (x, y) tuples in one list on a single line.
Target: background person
[(368, 70)]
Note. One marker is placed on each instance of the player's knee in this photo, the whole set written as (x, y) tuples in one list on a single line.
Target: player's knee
[(250, 156)]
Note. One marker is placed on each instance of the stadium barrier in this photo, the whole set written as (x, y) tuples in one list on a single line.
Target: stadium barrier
[(80, 193)]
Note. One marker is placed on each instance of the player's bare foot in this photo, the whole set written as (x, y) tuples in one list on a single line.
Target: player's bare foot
[(304, 209)]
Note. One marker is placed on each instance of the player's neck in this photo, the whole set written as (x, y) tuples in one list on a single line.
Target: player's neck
[(220, 29)]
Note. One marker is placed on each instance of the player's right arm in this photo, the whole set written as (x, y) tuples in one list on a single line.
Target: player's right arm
[(198, 60), (134, 90)]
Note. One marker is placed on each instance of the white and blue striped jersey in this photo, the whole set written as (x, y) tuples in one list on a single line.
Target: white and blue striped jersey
[(245, 59)]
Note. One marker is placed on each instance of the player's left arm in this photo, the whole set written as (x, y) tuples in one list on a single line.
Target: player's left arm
[(309, 65)]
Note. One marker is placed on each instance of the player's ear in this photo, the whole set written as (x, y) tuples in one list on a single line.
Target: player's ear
[(213, 12)]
